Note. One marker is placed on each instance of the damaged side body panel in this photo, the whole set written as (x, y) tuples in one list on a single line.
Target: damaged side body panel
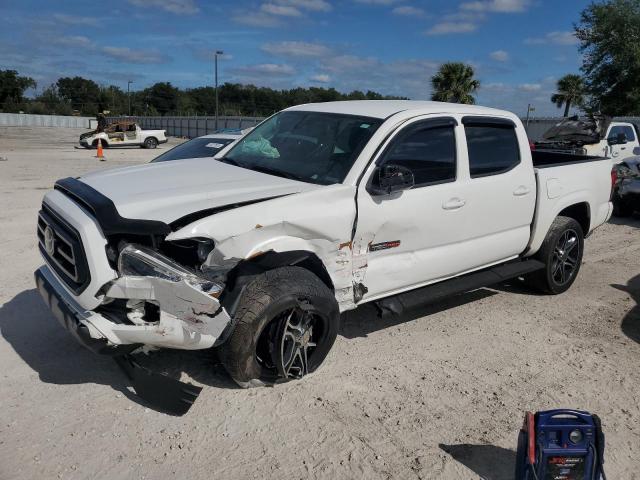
[(318, 221)]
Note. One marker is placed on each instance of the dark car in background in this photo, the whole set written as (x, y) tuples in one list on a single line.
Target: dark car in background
[(200, 147), (626, 193)]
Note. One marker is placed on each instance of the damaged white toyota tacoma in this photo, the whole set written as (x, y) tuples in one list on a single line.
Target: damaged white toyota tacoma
[(320, 209)]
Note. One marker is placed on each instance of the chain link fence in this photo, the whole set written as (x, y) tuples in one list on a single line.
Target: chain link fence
[(191, 127)]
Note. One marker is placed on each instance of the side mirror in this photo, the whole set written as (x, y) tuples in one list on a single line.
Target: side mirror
[(619, 139), (390, 178)]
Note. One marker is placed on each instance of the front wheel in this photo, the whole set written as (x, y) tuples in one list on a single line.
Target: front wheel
[(150, 143), (285, 325), (561, 252)]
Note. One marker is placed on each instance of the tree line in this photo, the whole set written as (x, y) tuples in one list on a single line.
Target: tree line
[(608, 33), (82, 96)]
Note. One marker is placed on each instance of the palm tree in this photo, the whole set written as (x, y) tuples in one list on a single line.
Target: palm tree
[(571, 91), (454, 82)]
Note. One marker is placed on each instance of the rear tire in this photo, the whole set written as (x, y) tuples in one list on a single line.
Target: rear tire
[(286, 323), (561, 252), (150, 142)]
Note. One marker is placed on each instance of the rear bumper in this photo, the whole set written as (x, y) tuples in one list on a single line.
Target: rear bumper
[(71, 318)]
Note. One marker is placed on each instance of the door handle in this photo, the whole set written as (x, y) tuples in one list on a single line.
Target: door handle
[(453, 204), (521, 191)]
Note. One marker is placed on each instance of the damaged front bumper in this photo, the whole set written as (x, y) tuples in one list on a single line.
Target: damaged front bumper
[(188, 313)]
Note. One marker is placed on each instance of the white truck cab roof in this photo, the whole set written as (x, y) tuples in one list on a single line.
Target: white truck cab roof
[(386, 108)]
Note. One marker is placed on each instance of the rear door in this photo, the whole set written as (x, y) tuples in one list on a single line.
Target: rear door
[(132, 134), (499, 189)]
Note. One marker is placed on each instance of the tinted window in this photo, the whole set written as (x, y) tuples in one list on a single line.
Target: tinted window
[(196, 148), (493, 149), (430, 153), (311, 147), (626, 129)]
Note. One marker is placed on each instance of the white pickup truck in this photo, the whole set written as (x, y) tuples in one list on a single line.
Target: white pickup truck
[(320, 209), (595, 136), (123, 134)]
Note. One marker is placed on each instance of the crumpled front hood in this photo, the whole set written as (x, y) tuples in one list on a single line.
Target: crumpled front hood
[(167, 191), (574, 129)]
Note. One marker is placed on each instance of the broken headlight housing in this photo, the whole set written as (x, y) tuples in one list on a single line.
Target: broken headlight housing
[(141, 261)]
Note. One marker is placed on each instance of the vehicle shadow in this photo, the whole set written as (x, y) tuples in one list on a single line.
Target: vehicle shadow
[(487, 461), (367, 319), (632, 221), (35, 335), (631, 322)]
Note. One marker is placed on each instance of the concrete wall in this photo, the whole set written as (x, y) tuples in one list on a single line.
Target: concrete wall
[(28, 120)]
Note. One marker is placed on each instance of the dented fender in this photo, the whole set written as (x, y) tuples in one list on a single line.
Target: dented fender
[(318, 221)]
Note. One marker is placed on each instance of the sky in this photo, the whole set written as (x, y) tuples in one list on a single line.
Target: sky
[(519, 48)]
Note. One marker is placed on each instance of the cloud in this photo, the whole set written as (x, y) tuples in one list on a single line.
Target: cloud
[(498, 6), (499, 56), (270, 14), (378, 2), (554, 38), (311, 5), (296, 49), (257, 19), (408, 10), (74, 41), (281, 10), (269, 69), (181, 7), (446, 28), (529, 87), (128, 55), (321, 78), (75, 20)]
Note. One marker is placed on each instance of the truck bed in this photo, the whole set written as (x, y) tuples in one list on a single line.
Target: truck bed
[(548, 158)]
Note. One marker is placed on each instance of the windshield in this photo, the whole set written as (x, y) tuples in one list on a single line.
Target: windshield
[(312, 147), (196, 148)]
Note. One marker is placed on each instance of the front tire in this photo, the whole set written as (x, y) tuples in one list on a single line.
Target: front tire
[(286, 323), (561, 252), (150, 143)]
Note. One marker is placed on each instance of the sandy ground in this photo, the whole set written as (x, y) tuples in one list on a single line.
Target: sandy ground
[(438, 393)]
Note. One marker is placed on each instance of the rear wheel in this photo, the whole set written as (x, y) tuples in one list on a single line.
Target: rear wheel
[(150, 143), (561, 252), (286, 323)]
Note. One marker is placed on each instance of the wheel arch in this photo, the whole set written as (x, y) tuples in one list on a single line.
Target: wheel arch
[(243, 273), (581, 213)]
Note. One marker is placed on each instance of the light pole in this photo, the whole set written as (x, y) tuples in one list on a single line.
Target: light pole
[(215, 55), (530, 109), (129, 82)]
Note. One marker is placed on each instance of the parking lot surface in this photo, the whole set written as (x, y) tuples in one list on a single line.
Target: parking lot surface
[(437, 393)]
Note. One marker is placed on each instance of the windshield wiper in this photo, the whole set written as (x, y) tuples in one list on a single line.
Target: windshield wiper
[(276, 172)]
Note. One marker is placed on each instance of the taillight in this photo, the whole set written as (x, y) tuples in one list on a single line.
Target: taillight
[(614, 180), (532, 146)]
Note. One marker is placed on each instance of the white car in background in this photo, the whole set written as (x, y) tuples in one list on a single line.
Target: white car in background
[(123, 134), (593, 137), (202, 147)]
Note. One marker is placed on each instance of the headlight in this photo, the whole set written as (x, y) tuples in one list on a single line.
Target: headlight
[(143, 262)]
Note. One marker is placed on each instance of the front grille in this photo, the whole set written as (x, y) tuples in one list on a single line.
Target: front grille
[(61, 246)]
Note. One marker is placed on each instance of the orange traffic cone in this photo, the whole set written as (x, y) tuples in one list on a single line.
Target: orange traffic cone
[(100, 154)]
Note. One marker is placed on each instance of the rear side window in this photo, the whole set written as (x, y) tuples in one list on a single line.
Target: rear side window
[(626, 129), (429, 152), (493, 148)]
